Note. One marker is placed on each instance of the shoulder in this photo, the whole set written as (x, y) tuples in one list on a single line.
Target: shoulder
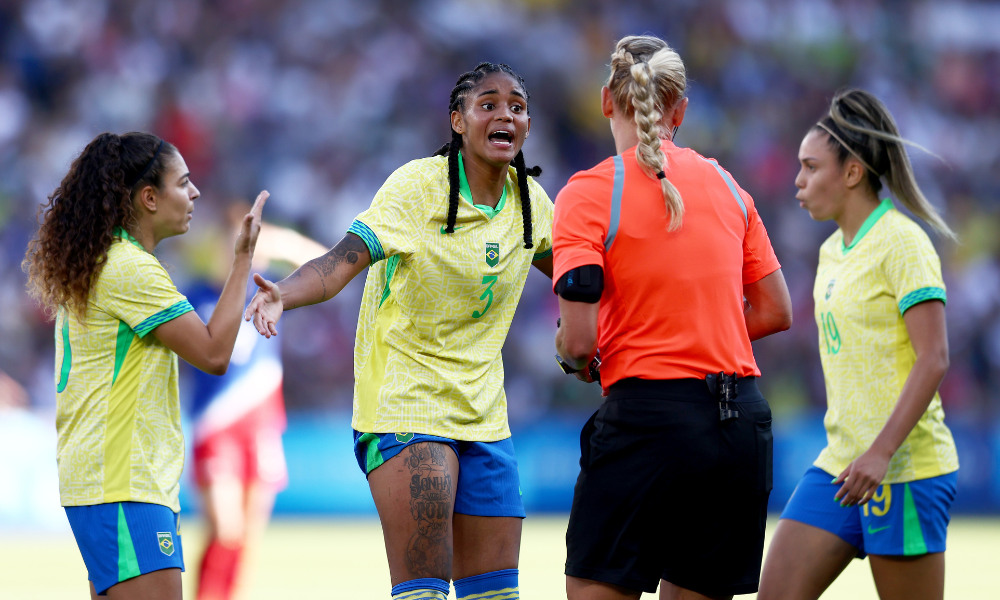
[(422, 169), (901, 234), (595, 182), (831, 244), (127, 263)]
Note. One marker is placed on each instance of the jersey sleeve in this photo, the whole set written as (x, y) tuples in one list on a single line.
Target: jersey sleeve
[(912, 269), (138, 291), (542, 215), (759, 259), (581, 220), (390, 224)]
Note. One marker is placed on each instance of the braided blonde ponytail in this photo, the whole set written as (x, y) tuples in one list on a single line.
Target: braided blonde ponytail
[(646, 76)]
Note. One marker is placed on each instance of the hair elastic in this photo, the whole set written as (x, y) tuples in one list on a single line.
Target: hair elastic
[(848, 148), (661, 175), (148, 166)]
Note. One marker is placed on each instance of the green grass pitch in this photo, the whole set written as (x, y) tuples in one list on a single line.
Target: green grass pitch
[(340, 558)]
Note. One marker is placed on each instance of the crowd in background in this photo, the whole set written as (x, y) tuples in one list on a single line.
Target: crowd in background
[(318, 101)]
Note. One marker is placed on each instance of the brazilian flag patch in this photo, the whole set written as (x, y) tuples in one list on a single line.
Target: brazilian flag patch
[(166, 542), (492, 253)]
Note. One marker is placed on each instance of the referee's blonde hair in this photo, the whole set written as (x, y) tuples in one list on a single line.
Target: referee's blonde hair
[(648, 79)]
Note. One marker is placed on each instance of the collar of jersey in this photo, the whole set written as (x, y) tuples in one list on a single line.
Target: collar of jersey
[(125, 235), (466, 192), (873, 218)]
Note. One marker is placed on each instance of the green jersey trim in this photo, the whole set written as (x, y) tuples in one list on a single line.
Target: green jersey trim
[(466, 192), (122, 344), (128, 564), (125, 235), (921, 295), (873, 218), (67, 361), (167, 314), (369, 238), (390, 270), (373, 456), (541, 255)]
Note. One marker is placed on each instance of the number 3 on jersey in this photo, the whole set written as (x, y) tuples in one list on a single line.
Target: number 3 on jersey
[(488, 281)]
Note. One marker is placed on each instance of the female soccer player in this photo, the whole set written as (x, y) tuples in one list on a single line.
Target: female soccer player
[(450, 240), (885, 482), (656, 249), (119, 323)]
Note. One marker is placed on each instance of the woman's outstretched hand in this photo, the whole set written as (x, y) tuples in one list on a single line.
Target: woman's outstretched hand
[(265, 309), (246, 241)]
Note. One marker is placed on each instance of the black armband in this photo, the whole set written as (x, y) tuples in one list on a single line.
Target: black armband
[(582, 284)]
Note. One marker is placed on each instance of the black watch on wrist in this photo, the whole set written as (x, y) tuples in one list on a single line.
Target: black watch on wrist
[(565, 366)]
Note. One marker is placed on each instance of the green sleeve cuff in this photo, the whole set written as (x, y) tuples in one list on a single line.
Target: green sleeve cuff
[(921, 295), (167, 314), (369, 238), (541, 255)]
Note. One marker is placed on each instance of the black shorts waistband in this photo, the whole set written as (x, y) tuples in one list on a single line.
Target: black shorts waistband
[(684, 390)]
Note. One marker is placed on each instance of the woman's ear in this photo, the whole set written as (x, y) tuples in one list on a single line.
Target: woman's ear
[(147, 198), (607, 102), (458, 122), (854, 172), (678, 116)]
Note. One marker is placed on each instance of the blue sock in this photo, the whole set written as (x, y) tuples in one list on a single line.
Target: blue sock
[(428, 588), (498, 585)]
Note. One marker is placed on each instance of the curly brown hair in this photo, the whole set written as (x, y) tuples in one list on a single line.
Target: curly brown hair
[(77, 224)]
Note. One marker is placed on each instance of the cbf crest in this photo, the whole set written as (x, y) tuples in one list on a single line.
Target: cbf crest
[(166, 542), (492, 253), (829, 288)]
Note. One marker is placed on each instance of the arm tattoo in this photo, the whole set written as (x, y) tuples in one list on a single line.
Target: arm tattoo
[(431, 491), (347, 250)]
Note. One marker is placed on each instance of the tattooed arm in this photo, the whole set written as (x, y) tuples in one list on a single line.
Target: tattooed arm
[(316, 281)]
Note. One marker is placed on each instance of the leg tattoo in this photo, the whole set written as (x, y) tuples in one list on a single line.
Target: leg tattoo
[(430, 504)]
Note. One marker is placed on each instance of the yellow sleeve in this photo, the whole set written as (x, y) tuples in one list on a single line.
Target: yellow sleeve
[(136, 289), (391, 224), (912, 268), (542, 215)]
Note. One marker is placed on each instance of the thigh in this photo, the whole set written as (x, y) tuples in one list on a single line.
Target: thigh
[(802, 562), (588, 589), (157, 585), (485, 544), (223, 500), (909, 578), (414, 493)]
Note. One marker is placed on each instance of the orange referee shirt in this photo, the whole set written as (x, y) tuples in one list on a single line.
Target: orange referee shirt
[(672, 306)]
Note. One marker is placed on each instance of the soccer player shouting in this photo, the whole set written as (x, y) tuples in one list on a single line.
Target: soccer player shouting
[(655, 250), (120, 326), (885, 482), (450, 239)]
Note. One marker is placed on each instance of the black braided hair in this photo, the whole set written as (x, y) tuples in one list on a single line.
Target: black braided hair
[(466, 83)]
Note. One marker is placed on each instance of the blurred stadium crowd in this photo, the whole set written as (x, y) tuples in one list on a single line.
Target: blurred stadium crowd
[(319, 100)]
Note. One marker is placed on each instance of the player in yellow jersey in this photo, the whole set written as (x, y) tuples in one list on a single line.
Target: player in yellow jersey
[(884, 484), (450, 240), (120, 325)]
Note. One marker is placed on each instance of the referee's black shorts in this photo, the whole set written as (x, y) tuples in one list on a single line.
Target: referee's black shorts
[(667, 490)]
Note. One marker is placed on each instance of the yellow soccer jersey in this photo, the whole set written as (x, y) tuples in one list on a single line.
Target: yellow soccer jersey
[(437, 306), (861, 293), (118, 411)]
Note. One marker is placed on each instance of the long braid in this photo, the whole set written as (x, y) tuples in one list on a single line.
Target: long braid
[(522, 188), (453, 147), (466, 82)]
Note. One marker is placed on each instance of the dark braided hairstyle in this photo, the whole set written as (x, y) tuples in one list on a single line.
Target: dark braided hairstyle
[(466, 83)]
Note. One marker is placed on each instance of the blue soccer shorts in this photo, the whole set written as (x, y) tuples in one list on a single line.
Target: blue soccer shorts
[(122, 540), (488, 485), (901, 519)]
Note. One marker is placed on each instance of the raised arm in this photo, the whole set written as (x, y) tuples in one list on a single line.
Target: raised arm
[(316, 281), (209, 347), (768, 307)]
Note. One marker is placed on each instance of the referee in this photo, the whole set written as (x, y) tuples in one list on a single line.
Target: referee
[(655, 251)]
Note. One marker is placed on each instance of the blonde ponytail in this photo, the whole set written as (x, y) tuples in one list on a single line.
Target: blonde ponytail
[(860, 124), (647, 75)]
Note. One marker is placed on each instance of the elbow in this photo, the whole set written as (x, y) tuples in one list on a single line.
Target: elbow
[(784, 321), (217, 366)]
